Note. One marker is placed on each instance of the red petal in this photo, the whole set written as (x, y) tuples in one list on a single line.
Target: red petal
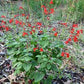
[(55, 34), (51, 2), (41, 49)]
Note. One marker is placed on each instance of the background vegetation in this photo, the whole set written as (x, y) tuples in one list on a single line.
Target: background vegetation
[(74, 9)]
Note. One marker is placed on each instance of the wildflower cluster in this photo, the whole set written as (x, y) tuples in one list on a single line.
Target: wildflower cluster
[(73, 37), (32, 48)]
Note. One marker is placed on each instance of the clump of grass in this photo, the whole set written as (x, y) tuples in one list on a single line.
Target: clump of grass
[(75, 10)]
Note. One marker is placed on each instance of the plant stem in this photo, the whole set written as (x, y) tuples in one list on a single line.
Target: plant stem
[(42, 12)]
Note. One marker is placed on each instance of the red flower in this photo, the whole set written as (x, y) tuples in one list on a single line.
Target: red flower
[(48, 18), (81, 31), (3, 22), (55, 34), (34, 49), (33, 26), (65, 24), (39, 28), (29, 25), (75, 39), (16, 22), (75, 25), (3, 16), (24, 33), (33, 31), (0, 26), (51, 2), (30, 32), (62, 54), (72, 31), (11, 20), (43, 6), (20, 23), (54, 29), (70, 35), (45, 11), (78, 31), (3, 26), (41, 49), (69, 39), (39, 23), (67, 55), (27, 17), (21, 8), (16, 15), (41, 31), (51, 11), (7, 29), (23, 14), (66, 42)]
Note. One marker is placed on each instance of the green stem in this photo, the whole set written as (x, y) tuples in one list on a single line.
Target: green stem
[(69, 14), (39, 82)]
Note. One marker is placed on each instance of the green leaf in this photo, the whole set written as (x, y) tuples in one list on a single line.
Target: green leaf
[(38, 76), (31, 48), (27, 66), (43, 65), (38, 56), (58, 61), (59, 44), (17, 52), (48, 66), (45, 59), (10, 52), (22, 39), (47, 81), (18, 65), (54, 68), (17, 71), (45, 44), (27, 58)]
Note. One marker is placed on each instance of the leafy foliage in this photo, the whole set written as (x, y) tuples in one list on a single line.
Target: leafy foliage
[(39, 63)]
